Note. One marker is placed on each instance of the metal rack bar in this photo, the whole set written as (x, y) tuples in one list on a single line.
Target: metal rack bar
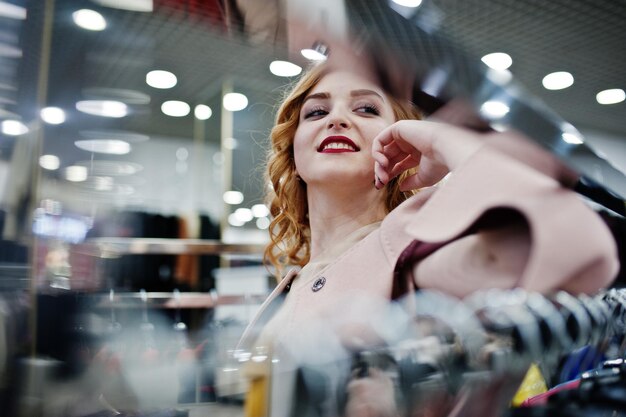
[(167, 300), (108, 247)]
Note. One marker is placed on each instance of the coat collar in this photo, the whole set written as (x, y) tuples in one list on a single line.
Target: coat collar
[(267, 310)]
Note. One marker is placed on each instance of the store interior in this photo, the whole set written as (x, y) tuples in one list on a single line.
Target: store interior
[(132, 150)]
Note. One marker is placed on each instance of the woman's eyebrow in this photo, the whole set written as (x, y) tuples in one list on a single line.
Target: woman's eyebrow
[(353, 93), (365, 92), (318, 96)]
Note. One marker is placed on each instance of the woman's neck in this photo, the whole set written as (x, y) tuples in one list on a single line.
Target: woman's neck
[(334, 214)]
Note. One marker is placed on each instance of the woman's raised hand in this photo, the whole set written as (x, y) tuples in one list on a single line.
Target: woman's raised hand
[(433, 148)]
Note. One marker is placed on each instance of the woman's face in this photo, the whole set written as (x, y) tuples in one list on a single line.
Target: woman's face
[(339, 119)]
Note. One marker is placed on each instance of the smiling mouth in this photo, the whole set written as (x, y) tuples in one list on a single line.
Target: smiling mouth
[(337, 144)]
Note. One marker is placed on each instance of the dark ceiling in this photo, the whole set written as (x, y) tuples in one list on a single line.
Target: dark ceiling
[(195, 40), (583, 37)]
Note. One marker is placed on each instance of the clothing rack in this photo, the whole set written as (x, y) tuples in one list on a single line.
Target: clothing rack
[(469, 357)]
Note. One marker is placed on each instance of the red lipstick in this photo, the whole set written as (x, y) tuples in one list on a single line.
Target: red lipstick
[(351, 146)]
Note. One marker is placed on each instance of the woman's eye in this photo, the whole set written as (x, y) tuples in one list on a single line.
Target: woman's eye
[(368, 108), (315, 113)]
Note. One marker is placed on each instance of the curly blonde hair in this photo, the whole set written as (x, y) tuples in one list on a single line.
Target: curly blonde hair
[(287, 198)]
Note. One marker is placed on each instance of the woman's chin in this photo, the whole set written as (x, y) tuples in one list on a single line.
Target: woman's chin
[(342, 179)]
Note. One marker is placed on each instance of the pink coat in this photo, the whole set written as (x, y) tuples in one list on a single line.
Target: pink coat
[(530, 233)]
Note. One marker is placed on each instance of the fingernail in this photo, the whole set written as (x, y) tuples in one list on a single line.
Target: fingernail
[(378, 183)]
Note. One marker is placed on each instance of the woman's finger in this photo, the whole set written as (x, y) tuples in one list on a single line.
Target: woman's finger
[(449, 145), (407, 163)]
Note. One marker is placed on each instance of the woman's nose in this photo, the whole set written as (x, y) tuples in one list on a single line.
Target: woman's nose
[(338, 120)]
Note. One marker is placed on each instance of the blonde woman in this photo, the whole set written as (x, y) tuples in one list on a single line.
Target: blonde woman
[(346, 160)]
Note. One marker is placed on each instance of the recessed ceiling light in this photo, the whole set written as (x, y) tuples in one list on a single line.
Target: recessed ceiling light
[(570, 134), (558, 80), (313, 55), (161, 79), (408, 3), (12, 11), (132, 5), (494, 109), (53, 115), (175, 108), (108, 146), (14, 128), (233, 197), (103, 108), (202, 112), (497, 60), (233, 220), (260, 210), (284, 69), (76, 173), (89, 19), (572, 138), (125, 95), (319, 52), (230, 143), (262, 223), (49, 162), (612, 96), (499, 77), (244, 214), (10, 51), (234, 101)]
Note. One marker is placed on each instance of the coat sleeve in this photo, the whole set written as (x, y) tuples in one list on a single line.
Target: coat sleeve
[(505, 224)]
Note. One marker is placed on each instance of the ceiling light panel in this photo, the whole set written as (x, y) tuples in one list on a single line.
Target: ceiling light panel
[(408, 3), (260, 210), (103, 108), (262, 223), (497, 60), (9, 51), (175, 108), (284, 69), (53, 115), (12, 11), (612, 96), (558, 80), (233, 197), (76, 173), (132, 5), (161, 79), (49, 162), (14, 128), (107, 146), (89, 19), (202, 112), (125, 95), (312, 54), (235, 101), (494, 109)]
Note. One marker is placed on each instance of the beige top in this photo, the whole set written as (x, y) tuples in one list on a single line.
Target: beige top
[(278, 323)]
